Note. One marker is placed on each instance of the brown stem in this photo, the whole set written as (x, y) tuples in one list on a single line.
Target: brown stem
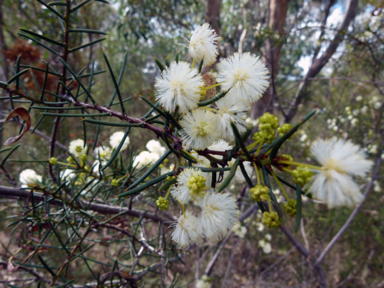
[(10, 178), (12, 193), (63, 79), (322, 276), (158, 131)]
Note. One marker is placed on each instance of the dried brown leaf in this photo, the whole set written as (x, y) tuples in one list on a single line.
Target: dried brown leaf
[(22, 113)]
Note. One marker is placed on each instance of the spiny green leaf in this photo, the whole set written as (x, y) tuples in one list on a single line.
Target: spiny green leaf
[(240, 141), (146, 185), (42, 37), (86, 45), (150, 170), (77, 79), (213, 99), (15, 77), (105, 123), (89, 31), (115, 83), (117, 150), (46, 266), (39, 43), (231, 174), (280, 141), (9, 154), (120, 78), (51, 9)]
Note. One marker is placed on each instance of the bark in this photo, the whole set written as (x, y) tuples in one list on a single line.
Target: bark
[(212, 14), (272, 52), (5, 68)]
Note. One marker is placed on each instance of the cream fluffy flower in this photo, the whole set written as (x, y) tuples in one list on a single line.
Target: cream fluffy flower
[(29, 176), (116, 139), (77, 148), (145, 158), (247, 76), (185, 232), (227, 112), (200, 129), (203, 44), (154, 146), (239, 176), (340, 160), (102, 153), (191, 185), (218, 216), (179, 85), (67, 175)]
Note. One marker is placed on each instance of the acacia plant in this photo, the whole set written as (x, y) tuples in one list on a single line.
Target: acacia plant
[(175, 196)]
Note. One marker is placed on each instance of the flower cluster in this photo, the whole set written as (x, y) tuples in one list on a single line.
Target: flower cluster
[(80, 172), (243, 79), (216, 219)]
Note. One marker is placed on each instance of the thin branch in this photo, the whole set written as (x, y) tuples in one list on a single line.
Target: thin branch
[(157, 130), (143, 243), (322, 276), (11, 193), (320, 62), (212, 263), (57, 143), (30, 271), (10, 178)]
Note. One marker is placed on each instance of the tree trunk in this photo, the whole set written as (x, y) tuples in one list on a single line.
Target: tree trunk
[(272, 52), (212, 14), (5, 69)]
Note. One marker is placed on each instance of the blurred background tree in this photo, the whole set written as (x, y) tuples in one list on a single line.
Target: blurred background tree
[(326, 54)]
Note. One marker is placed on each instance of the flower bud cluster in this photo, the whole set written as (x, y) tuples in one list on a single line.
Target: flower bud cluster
[(268, 124), (284, 129), (196, 184), (260, 193), (271, 219), (162, 203), (290, 207), (286, 157), (302, 175)]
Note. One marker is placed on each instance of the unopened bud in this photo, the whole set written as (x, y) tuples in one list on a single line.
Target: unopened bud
[(84, 157), (70, 160), (114, 183)]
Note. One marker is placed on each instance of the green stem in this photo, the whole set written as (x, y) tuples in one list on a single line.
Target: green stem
[(281, 186), (299, 164), (212, 86), (257, 173), (169, 191), (258, 149)]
